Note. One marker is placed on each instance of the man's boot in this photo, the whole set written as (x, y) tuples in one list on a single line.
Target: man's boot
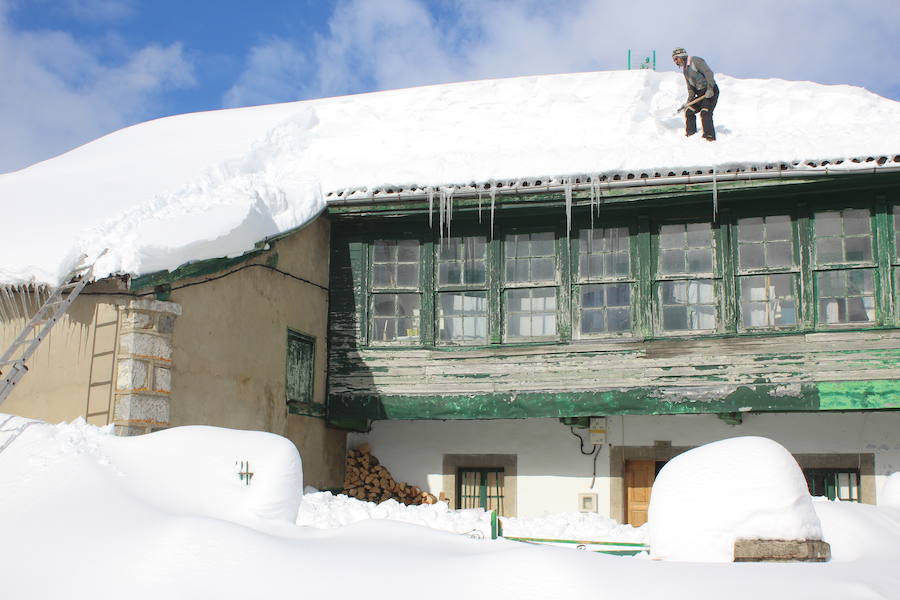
[(709, 130)]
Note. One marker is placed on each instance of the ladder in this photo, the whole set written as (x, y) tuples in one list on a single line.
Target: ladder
[(13, 362)]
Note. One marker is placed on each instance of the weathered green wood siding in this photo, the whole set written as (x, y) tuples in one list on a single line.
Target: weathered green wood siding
[(728, 372)]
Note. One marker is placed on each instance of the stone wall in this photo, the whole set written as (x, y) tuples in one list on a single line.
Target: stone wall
[(144, 366)]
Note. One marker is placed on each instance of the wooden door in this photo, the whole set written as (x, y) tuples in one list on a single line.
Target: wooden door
[(639, 476)]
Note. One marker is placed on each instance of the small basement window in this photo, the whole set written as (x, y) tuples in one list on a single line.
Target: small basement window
[(834, 484), (480, 488)]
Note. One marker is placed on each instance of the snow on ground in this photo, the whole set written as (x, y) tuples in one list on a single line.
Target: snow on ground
[(744, 487), (85, 515), (206, 185)]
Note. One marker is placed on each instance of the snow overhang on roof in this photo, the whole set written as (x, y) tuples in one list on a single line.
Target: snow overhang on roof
[(622, 179)]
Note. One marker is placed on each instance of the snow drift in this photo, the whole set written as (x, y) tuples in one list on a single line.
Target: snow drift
[(206, 185), (746, 487), (80, 519)]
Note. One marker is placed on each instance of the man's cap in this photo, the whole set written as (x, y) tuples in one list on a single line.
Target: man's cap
[(679, 53)]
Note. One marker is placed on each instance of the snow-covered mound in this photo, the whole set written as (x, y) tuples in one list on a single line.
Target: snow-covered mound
[(890, 492), (80, 519), (204, 185), (187, 470), (324, 510), (745, 487), (574, 526)]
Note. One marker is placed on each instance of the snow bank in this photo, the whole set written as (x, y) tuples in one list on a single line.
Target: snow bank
[(187, 470), (745, 487), (890, 492), (324, 510), (574, 526), (80, 520), (211, 184)]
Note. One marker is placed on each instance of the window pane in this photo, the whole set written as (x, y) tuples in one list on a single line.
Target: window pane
[(604, 252), (750, 230), (395, 264), (462, 316), (846, 296), (752, 256), (688, 305), (530, 257), (779, 228), (779, 254), (462, 260), (685, 248), (531, 313), (768, 301), (395, 318), (843, 236), (605, 308), (765, 242)]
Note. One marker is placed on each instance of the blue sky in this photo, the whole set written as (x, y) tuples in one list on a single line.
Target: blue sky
[(74, 70)]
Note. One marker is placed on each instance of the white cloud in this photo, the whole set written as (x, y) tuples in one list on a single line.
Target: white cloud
[(380, 44), (274, 72), (57, 93)]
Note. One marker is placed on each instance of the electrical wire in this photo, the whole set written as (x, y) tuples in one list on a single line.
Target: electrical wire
[(595, 453), (208, 280)]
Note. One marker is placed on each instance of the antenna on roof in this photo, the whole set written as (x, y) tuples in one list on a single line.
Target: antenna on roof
[(649, 62)]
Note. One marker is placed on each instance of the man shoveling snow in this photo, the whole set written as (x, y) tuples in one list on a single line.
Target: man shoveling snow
[(703, 93)]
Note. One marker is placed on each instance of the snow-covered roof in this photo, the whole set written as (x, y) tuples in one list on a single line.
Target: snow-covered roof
[(204, 185)]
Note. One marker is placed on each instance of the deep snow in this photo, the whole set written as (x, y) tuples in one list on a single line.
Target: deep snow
[(84, 514), (206, 185)]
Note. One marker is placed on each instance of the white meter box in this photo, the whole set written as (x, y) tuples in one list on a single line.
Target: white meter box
[(597, 431)]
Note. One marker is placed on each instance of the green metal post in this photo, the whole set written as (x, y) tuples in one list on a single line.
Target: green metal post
[(629, 59)]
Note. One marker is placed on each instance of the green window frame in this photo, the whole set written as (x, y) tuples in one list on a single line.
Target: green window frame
[(844, 267), (300, 369), (531, 283), (395, 306), (687, 282), (462, 290), (767, 272), (604, 287), (895, 259), (480, 487)]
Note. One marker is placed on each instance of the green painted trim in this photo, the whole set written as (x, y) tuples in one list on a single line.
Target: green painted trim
[(307, 409), (806, 397), (196, 269), (586, 542), (859, 395)]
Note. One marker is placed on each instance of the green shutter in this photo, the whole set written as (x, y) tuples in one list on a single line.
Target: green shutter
[(301, 354)]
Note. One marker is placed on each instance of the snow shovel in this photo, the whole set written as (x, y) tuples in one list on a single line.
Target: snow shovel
[(688, 104)]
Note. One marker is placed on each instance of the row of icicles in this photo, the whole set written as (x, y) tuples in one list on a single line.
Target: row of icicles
[(22, 301), (444, 196)]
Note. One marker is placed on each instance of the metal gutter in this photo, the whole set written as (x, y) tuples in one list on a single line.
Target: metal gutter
[(587, 182)]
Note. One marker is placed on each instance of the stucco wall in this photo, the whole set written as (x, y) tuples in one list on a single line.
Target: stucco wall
[(71, 373), (230, 346), (551, 471)]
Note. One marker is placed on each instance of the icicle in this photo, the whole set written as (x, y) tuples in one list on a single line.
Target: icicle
[(567, 182), (22, 290), (447, 194), (715, 197), (479, 206), (593, 199), (430, 191), (493, 197)]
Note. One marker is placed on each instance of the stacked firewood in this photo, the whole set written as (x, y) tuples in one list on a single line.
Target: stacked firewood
[(366, 479)]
